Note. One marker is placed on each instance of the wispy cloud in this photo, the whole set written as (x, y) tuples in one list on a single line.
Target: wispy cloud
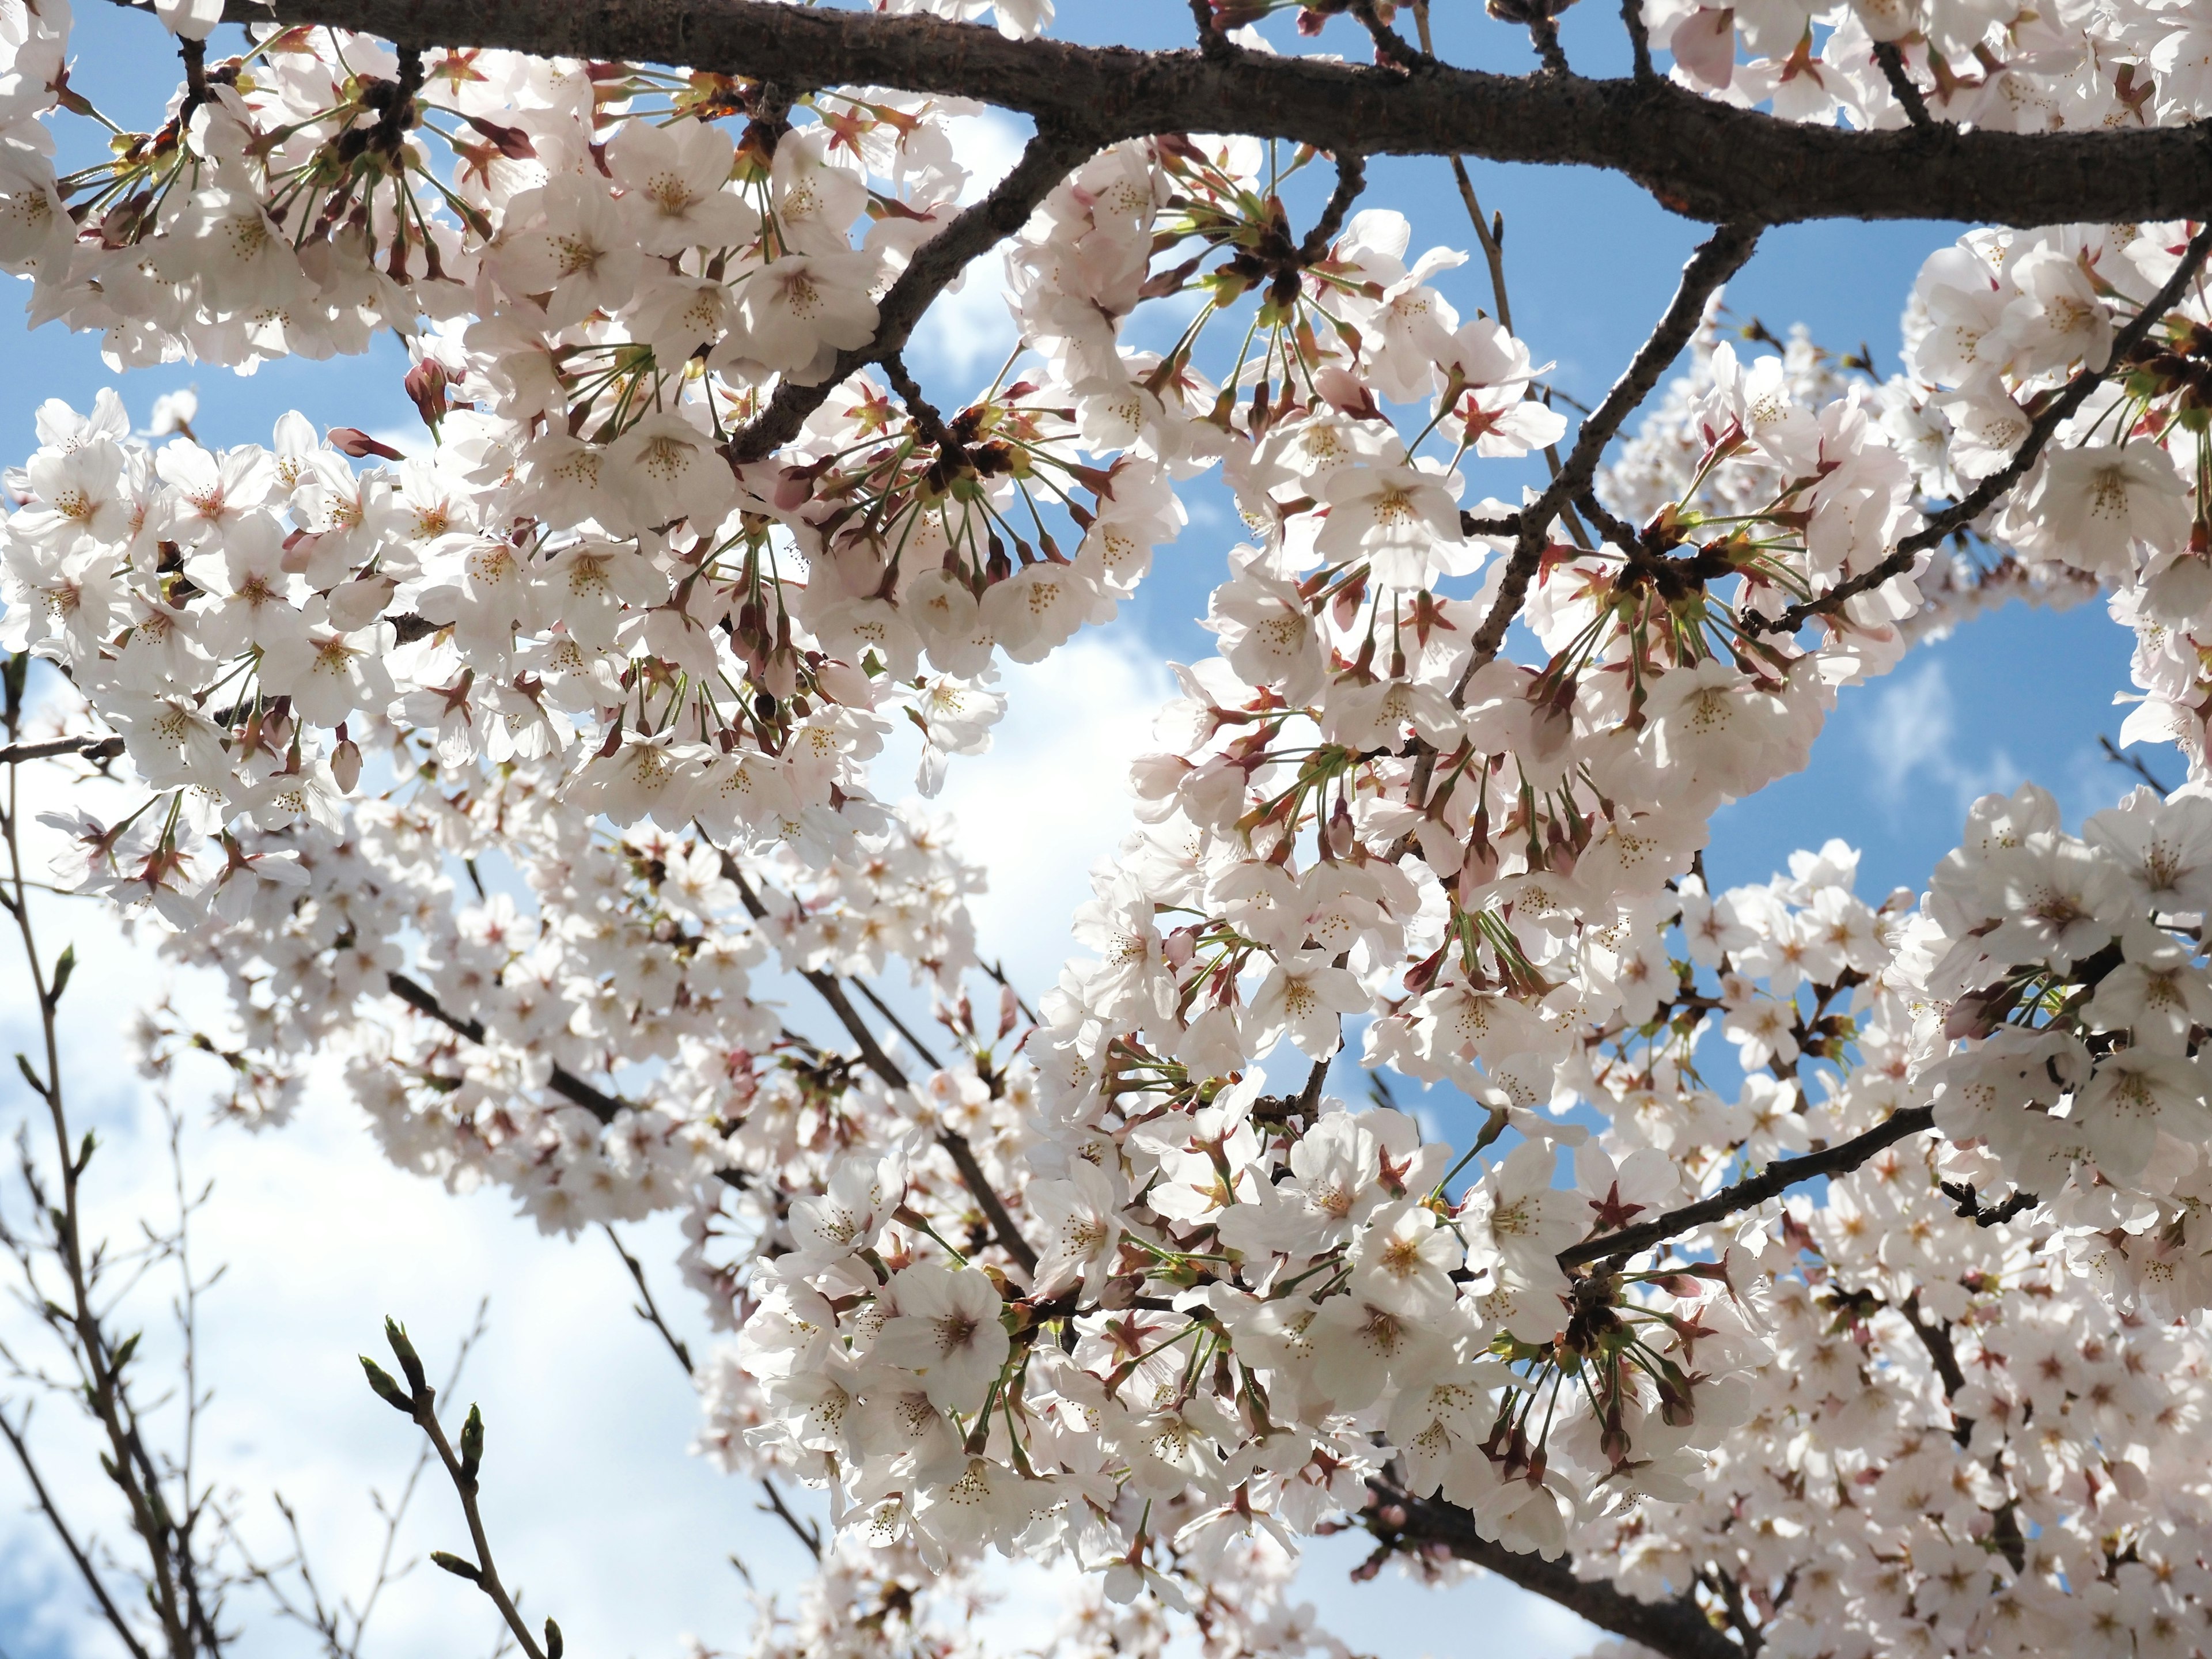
[(969, 328), (1911, 740)]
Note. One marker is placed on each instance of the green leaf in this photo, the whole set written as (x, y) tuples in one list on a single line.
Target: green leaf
[(554, 1645), (31, 1077)]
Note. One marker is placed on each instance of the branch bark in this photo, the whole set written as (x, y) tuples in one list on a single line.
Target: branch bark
[(1677, 1629), (1719, 258), (1048, 157), (563, 1082), (1986, 494), (1775, 1180), (1696, 156), (956, 1145)]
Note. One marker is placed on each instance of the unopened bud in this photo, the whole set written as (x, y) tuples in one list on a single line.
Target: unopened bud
[(386, 1390), (410, 1363), (457, 1566), (352, 441)]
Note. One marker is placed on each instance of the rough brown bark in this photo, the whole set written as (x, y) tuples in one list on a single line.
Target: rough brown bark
[(1678, 1629), (1698, 157)]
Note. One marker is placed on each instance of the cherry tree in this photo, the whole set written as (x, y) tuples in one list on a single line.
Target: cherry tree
[(1826, 1276)]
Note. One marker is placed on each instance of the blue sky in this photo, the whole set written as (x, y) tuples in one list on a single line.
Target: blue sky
[(1591, 261)]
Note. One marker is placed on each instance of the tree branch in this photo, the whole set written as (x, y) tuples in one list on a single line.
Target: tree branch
[(647, 1308), (563, 1082), (1985, 494), (84, 1563), (1698, 157), (485, 1575), (1050, 157), (1678, 1629), (97, 749), (1900, 83), (1775, 1179), (1719, 258)]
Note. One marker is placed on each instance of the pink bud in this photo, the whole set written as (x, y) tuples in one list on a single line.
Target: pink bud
[(352, 441)]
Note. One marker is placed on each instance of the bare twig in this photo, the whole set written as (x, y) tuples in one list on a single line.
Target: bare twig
[(809, 1534), (173, 1593), (1489, 236), (647, 1308), (919, 1048), (85, 1570), (827, 987), (997, 970), (2135, 763), (563, 1082), (96, 749)]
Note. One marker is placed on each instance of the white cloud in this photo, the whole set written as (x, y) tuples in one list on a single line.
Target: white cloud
[(593, 1505), (1912, 734), (969, 331), (1051, 798)]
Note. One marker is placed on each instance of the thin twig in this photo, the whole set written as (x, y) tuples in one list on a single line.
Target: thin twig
[(810, 1535), (648, 1310), (997, 971), (919, 1048), (563, 1082), (827, 987), (2135, 763), (85, 1569), (1489, 236)]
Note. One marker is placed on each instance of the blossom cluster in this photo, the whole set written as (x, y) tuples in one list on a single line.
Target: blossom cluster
[(540, 774)]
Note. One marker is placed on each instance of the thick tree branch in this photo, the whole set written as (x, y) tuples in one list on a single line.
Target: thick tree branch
[(1992, 489), (1677, 1629), (1719, 258), (1699, 157), (1774, 1180)]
